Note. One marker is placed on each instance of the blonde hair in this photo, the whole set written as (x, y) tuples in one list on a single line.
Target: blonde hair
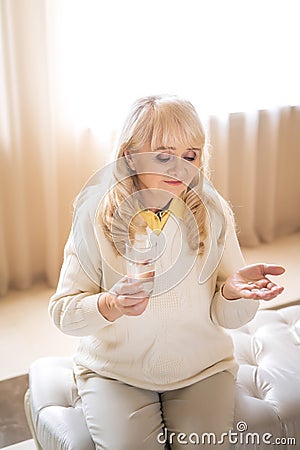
[(158, 121)]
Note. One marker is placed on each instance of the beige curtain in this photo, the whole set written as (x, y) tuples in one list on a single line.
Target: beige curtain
[(45, 158), (255, 162), (44, 161)]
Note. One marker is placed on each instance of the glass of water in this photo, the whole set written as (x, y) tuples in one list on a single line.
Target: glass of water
[(140, 261)]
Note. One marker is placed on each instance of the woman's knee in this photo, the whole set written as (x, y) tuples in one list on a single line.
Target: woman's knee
[(129, 434)]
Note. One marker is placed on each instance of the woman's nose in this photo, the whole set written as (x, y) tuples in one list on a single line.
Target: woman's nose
[(177, 168)]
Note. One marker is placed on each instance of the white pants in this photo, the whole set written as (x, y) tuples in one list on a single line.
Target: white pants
[(124, 417)]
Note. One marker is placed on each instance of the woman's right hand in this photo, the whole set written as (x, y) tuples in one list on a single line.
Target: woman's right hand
[(126, 297)]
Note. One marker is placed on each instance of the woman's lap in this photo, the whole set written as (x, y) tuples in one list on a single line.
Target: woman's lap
[(121, 417)]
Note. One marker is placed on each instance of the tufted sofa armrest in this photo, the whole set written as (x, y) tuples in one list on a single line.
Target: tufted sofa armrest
[(268, 384), (56, 407)]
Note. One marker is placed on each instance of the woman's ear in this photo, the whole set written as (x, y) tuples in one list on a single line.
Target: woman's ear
[(129, 160)]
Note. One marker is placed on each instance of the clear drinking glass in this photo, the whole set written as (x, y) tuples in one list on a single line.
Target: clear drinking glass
[(140, 261)]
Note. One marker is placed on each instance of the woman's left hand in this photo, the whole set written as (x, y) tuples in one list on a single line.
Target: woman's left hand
[(251, 282)]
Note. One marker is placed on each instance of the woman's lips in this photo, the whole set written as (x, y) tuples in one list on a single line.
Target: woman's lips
[(173, 182)]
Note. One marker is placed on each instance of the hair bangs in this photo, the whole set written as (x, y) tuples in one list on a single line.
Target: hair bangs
[(174, 124)]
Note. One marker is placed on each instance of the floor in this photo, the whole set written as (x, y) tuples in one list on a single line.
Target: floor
[(13, 424), (26, 334), (26, 445), (286, 252)]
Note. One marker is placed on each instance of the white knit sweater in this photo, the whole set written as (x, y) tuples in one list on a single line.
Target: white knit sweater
[(180, 338)]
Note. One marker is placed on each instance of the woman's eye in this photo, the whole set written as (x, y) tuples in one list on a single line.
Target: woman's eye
[(165, 157), (162, 157), (191, 157)]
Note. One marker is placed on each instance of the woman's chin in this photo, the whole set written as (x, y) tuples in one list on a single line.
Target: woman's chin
[(175, 191)]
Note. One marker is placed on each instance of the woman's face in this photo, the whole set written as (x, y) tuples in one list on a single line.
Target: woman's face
[(167, 169)]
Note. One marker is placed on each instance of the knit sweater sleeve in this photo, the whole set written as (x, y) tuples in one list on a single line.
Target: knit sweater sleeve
[(231, 313), (74, 306)]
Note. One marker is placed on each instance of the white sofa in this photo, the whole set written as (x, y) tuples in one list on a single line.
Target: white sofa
[(267, 393)]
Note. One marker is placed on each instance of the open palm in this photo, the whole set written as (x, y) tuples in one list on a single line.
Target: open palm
[(252, 282)]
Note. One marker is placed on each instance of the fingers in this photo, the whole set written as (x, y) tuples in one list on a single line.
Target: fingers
[(126, 301), (260, 270), (263, 284), (132, 307), (262, 293), (273, 269), (127, 287)]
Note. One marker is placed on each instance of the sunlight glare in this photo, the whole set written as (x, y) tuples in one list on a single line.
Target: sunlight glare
[(225, 56)]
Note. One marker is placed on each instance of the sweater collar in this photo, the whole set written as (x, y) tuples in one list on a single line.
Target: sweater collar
[(174, 206)]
